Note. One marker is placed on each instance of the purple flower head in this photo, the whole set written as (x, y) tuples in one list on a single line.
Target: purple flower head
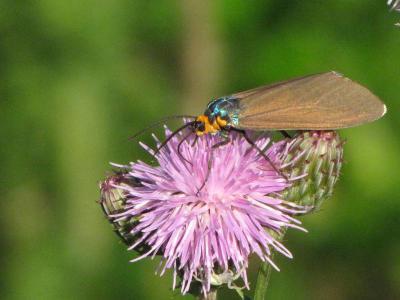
[(205, 210)]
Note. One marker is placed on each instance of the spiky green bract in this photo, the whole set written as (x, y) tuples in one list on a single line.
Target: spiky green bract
[(319, 160)]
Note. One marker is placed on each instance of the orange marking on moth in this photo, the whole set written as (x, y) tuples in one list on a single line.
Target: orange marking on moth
[(221, 122), (208, 127)]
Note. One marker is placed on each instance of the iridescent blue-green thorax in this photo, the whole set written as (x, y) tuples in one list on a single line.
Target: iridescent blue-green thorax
[(227, 108)]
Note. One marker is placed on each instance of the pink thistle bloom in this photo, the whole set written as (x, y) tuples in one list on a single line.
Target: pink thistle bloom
[(202, 234)]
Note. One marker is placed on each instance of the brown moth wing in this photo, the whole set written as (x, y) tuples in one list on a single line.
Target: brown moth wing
[(321, 101), (244, 94)]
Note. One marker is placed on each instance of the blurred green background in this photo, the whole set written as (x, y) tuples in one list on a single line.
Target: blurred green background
[(77, 78)]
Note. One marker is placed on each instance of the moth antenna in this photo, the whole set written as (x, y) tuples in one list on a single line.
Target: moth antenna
[(158, 123), (172, 135)]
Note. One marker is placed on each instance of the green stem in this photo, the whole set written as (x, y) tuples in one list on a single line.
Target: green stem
[(264, 274)]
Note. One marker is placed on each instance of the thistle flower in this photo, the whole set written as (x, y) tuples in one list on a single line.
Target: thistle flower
[(206, 210)]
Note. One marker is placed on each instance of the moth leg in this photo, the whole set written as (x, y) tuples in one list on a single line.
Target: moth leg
[(209, 165), (247, 138), (225, 141), (195, 140), (221, 143), (285, 134), (179, 148)]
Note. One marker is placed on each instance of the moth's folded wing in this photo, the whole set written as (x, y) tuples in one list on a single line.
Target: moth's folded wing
[(321, 101)]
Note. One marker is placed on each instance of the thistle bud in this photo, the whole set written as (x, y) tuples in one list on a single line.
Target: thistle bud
[(316, 157), (113, 199)]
